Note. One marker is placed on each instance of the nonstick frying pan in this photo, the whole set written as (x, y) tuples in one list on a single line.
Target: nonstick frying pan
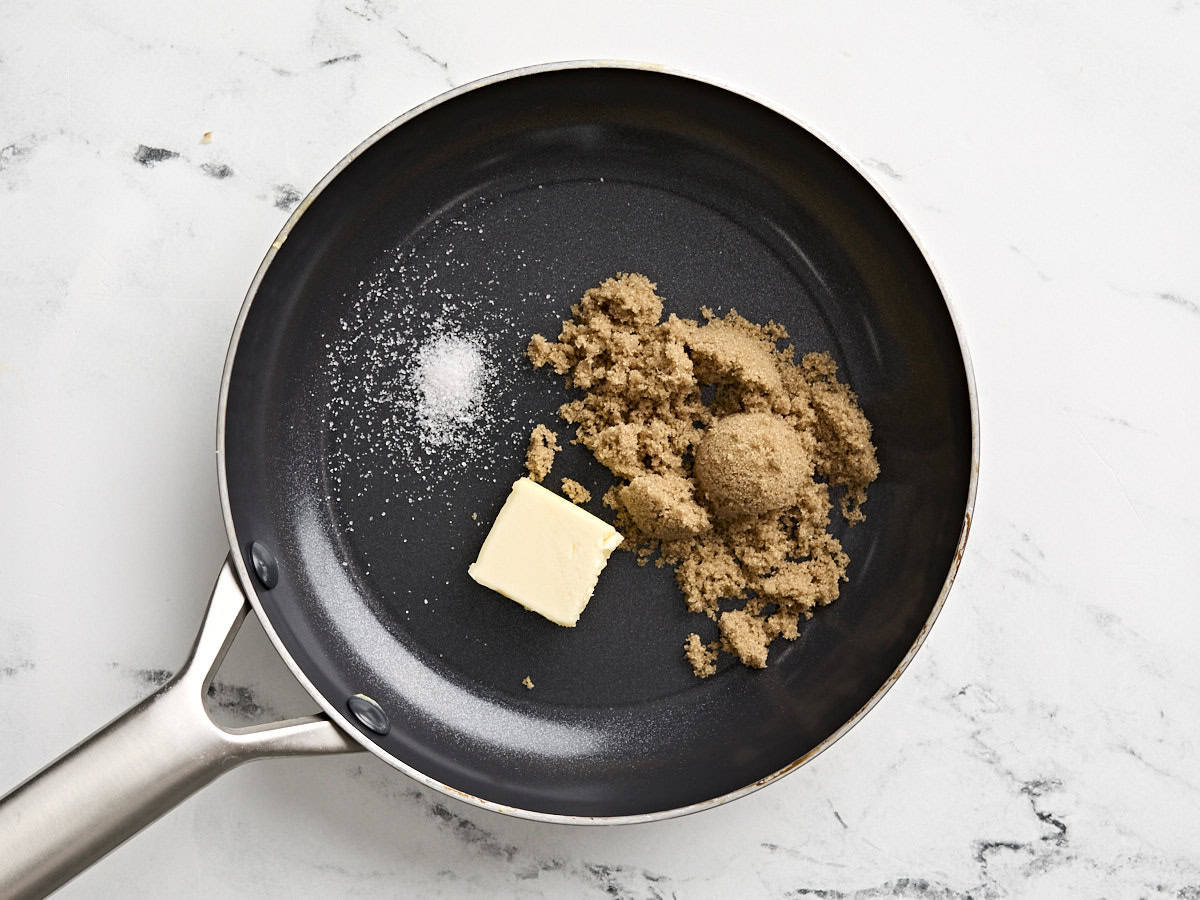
[(489, 211)]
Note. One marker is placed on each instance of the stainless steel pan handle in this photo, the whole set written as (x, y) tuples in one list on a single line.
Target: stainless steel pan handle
[(142, 764)]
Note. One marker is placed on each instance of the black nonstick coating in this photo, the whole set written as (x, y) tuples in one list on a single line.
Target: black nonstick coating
[(492, 212)]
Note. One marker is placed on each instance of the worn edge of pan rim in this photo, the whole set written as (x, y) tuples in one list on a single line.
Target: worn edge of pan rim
[(331, 709)]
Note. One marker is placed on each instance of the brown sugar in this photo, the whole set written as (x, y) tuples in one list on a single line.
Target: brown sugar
[(845, 454), (733, 493), (575, 492), (747, 636), (662, 506), (748, 464), (543, 444), (723, 354), (703, 657)]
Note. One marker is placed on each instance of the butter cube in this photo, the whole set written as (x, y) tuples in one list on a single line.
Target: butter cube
[(545, 553)]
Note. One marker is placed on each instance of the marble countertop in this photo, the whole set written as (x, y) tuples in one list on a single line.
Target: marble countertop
[(1046, 740)]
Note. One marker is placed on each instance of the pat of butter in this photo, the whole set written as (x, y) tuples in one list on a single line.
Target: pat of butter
[(545, 553)]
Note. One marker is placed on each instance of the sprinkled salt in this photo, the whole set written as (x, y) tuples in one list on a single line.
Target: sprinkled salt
[(418, 386), (450, 378)]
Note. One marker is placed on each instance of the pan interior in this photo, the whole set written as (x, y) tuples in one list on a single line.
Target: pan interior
[(487, 216)]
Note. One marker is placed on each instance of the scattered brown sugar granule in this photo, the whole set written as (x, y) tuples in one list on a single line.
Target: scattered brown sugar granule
[(528, 682), (575, 492), (543, 444), (733, 493)]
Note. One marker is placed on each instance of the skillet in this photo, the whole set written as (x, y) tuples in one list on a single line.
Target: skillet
[(488, 211)]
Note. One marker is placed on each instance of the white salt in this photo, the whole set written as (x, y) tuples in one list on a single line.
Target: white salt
[(450, 380), (419, 381)]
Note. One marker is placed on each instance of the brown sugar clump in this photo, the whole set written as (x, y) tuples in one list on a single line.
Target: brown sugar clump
[(747, 636), (575, 492), (845, 455), (752, 463), (641, 405), (725, 353), (703, 657), (543, 444), (734, 493), (663, 507)]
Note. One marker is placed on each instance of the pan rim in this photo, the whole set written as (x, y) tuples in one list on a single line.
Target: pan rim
[(342, 720)]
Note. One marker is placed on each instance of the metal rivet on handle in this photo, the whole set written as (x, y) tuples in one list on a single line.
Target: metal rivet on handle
[(266, 570), (369, 713)]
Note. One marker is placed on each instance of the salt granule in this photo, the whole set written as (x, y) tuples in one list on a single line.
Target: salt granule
[(449, 377)]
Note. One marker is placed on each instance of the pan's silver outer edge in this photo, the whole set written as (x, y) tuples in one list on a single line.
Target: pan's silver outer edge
[(333, 710)]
